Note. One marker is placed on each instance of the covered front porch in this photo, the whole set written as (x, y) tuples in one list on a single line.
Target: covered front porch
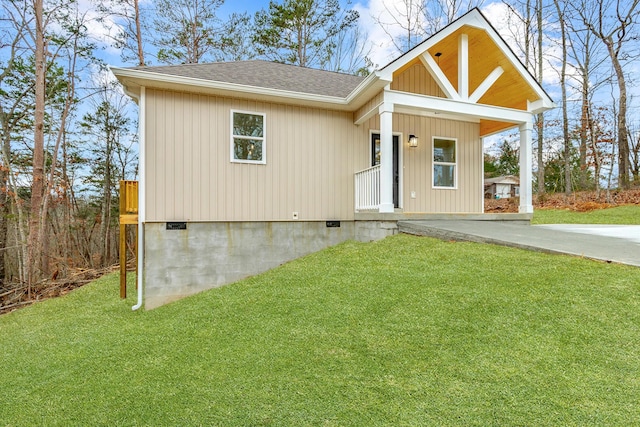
[(452, 91)]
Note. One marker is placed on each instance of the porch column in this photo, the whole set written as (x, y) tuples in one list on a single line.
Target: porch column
[(526, 200), (386, 158)]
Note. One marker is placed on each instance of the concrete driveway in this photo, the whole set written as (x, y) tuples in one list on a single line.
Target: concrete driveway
[(610, 243)]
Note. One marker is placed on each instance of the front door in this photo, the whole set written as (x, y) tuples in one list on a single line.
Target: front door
[(375, 160)]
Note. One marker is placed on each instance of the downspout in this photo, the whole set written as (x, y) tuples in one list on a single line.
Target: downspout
[(141, 193)]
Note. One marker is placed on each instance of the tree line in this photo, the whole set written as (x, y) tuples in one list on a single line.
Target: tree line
[(69, 133)]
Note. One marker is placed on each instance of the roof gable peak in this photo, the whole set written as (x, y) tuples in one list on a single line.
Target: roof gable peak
[(458, 44)]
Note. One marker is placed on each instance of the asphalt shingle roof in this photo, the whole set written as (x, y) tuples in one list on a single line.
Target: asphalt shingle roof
[(264, 74)]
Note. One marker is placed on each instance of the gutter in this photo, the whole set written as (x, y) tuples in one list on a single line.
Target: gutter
[(141, 101)]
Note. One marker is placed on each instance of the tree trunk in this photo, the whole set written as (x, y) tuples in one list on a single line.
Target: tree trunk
[(136, 8), (565, 117), (34, 253), (584, 126), (623, 142), (4, 215), (540, 117)]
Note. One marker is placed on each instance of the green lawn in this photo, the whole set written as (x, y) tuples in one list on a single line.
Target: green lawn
[(402, 332), (627, 214)]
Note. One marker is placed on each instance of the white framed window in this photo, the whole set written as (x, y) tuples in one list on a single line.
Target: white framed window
[(248, 141), (445, 162)]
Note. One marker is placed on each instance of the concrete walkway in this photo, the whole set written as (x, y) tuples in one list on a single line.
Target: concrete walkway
[(611, 243)]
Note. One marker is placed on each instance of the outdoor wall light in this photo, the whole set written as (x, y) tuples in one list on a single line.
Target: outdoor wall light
[(413, 141)]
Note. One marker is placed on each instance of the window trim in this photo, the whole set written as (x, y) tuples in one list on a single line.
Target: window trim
[(434, 163), (263, 138)]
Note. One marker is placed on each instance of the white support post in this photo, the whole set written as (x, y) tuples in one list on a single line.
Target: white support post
[(526, 175), (463, 66), (386, 158)]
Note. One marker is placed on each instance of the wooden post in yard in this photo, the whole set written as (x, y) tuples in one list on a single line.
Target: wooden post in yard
[(128, 215), (123, 261)]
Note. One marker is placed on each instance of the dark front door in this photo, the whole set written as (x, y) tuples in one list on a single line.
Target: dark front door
[(375, 160)]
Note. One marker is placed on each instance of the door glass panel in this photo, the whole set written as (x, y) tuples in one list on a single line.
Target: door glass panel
[(375, 151)]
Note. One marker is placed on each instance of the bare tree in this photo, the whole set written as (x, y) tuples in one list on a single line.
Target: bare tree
[(531, 43), (107, 127), (634, 142), (408, 22), (129, 27), (439, 13), (10, 117), (563, 86), (587, 58), (613, 23), (186, 31), (407, 17), (349, 52), (35, 257)]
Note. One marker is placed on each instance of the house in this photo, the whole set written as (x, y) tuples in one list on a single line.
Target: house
[(502, 187), (245, 165)]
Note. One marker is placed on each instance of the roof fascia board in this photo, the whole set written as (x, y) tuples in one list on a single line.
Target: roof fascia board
[(373, 80), (539, 106), (435, 104)]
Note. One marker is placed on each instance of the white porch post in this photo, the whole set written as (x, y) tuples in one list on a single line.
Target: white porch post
[(386, 158), (526, 199)]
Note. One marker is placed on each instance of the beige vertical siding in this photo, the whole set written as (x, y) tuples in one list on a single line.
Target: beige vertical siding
[(416, 79), (311, 155), (417, 166), (369, 106)]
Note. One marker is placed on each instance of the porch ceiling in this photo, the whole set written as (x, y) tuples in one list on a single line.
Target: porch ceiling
[(510, 90)]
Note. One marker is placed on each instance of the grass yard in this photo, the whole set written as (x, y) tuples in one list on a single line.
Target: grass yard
[(626, 214), (402, 332)]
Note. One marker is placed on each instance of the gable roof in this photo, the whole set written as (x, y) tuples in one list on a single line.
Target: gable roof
[(267, 75)]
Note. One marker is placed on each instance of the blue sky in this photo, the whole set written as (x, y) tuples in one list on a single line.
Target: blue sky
[(250, 6)]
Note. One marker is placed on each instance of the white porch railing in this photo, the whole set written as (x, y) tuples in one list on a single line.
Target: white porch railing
[(368, 189)]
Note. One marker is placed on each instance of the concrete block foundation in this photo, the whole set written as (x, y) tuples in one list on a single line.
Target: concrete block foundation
[(205, 255)]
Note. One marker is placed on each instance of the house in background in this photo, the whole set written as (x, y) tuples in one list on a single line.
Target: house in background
[(245, 165), (502, 187)]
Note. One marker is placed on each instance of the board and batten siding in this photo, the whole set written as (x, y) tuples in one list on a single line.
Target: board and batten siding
[(417, 164), (310, 158), (416, 79)]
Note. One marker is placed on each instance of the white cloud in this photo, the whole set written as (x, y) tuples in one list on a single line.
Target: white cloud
[(387, 12), (102, 29)]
